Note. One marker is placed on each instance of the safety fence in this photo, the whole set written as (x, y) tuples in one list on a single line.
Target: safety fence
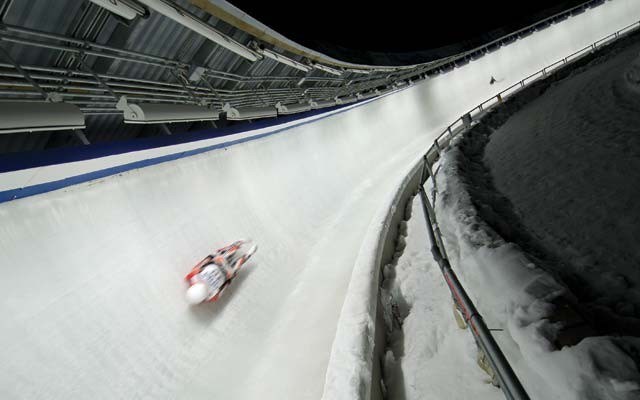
[(509, 382)]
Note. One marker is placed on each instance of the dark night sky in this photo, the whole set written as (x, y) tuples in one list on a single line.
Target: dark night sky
[(396, 26)]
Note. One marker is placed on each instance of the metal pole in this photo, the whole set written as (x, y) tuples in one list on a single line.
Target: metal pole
[(509, 382), (81, 136), (100, 82), (85, 44), (165, 129)]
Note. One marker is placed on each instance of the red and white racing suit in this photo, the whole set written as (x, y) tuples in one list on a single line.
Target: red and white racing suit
[(214, 271)]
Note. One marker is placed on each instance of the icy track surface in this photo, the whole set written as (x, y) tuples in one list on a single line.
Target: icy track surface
[(92, 292)]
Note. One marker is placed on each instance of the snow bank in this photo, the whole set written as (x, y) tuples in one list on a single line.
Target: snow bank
[(351, 365), (569, 163), (522, 301), (561, 156), (428, 355)]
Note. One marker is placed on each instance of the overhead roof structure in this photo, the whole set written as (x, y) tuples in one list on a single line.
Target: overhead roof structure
[(205, 54), (400, 33)]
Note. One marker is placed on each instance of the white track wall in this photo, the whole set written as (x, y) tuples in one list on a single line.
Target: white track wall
[(92, 293)]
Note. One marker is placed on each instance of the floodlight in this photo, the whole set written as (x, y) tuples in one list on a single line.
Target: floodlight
[(359, 71), (123, 8), (346, 99), (243, 113), (284, 60), (364, 96), (323, 104), (18, 116), (152, 113), (327, 69), (292, 108)]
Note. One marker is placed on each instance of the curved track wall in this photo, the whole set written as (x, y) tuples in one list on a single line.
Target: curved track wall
[(92, 295)]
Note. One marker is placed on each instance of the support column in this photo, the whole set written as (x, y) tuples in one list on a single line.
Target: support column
[(165, 129), (79, 133)]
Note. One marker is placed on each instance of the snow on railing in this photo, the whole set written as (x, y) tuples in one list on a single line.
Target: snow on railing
[(509, 382)]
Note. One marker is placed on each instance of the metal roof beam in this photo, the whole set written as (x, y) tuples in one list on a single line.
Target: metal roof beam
[(183, 17)]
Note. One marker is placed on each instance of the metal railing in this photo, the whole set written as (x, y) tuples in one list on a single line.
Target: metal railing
[(461, 124), (509, 382)]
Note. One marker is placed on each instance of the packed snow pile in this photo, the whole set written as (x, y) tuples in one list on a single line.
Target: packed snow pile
[(632, 75), (541, 220), (569, 163), (428, 356), (523, 304), (352, 365)]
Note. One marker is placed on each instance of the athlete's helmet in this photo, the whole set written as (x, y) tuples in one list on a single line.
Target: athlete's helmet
[(197, 293)]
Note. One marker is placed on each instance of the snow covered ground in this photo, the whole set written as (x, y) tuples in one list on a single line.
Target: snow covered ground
[(524, 305), (566, 165), (429, 356), (569, 163), (92, 295)]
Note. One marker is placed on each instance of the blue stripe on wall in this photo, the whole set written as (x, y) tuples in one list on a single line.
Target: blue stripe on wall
[(18, 193), (18, 161)]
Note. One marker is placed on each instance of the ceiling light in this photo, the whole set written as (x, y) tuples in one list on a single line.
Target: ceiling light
[(236, 114), (123, 8), (359, 71), (284, 60), (292, 108), (386, 90), (367, 95), (151, 113), (323, 103), (346, 99), (327, 69), (18, 116)]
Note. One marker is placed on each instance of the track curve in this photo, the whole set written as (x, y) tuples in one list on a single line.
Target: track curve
[(92, 291)]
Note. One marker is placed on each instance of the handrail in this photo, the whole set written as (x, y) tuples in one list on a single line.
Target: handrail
[(509, 383), (544, 71)]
